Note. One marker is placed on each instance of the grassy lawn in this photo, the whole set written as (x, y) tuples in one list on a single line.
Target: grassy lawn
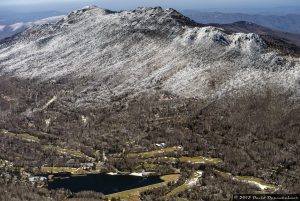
[(155, 153), (161, 160), (223, 174), (73, 171), (200, 160), (31, 138), (154, 164), (75, 153), (7, 133), (71, 152), (177, 190), (187, 185), (23, 136), (261, 184), (28, 137), (133, 194)]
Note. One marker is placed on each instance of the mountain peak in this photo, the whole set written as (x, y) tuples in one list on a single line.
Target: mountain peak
[(87, 10), (131, 51), (169, 13), (93, 7)]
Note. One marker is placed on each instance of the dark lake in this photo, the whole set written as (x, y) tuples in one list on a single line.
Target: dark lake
[(103, 183)]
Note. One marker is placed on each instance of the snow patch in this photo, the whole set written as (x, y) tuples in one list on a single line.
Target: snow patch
[(84, 119), (193, 181), (49, 102), (140, 174), (113, 173), (259, 185), (47, 122), (160, 145)]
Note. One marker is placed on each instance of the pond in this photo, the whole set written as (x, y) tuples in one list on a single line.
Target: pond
[(104, 183)]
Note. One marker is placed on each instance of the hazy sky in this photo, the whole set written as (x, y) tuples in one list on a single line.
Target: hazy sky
[(65, 5)]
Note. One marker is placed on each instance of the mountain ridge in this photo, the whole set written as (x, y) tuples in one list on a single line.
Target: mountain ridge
[(148, 48)]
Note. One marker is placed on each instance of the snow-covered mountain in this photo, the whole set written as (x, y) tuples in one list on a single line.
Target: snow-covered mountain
[(146, 49), (9, 30)]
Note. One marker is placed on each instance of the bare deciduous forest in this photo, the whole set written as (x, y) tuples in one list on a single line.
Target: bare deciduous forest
[(253, 134)]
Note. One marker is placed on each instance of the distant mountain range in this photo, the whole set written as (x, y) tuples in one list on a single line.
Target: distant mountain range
[(11, 16), (286, 23), (9, 30)]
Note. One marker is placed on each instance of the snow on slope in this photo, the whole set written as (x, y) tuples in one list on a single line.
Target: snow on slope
[(9, 30), (130, 52)]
